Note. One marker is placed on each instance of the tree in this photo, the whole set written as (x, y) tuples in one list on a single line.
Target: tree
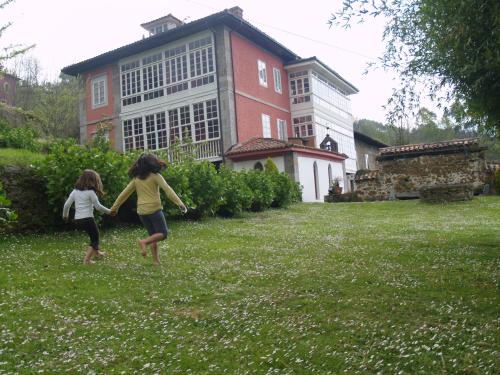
[(449, 47), (11, 50)]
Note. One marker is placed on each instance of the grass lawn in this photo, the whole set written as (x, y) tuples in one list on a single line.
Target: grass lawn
[(14, 156), (385, 287)]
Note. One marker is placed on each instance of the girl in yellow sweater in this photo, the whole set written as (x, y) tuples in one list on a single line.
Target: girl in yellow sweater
[(147, 181)]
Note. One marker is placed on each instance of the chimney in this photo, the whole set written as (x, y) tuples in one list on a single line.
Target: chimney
[(236, 11)]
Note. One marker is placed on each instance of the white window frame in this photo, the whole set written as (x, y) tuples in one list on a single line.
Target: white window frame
[(281, 126), (261, 67), (266, 126), (96, 103), (278, 87)]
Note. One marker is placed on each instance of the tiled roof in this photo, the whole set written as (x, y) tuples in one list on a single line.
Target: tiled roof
[(435, 147), (270, 144)]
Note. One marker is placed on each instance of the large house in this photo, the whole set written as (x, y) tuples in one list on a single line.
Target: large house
[(223, 87)]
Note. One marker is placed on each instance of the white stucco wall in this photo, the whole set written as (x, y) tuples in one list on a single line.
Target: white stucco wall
[(249, 164), (306, 177)]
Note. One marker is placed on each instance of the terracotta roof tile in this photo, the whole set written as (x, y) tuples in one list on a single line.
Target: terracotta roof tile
[(268, 144), (435, 146)]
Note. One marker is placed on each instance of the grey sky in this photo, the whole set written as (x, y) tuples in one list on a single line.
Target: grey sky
[(68, 31)]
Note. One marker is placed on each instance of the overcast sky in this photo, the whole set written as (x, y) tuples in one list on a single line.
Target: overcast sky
[(69, 31)]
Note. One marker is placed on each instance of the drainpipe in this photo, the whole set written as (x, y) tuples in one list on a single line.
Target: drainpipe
[(218, 97)]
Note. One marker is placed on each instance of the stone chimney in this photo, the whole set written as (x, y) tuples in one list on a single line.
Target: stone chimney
[(236, 11)]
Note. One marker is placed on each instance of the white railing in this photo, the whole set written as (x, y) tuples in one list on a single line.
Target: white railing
[(208, 150)]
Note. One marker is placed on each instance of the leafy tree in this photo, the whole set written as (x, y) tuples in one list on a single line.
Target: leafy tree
[(448, 46)]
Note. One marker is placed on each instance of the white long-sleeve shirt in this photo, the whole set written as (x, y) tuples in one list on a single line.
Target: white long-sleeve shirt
[(85, 201)]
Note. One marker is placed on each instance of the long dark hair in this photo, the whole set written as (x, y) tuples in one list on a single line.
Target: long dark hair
[(90, 180), (146, 164)]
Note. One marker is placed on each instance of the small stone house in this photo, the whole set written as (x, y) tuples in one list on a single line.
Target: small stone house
[(367, 150), (405, 170)]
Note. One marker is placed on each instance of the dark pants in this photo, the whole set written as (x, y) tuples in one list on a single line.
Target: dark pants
[(89, 225), (155, 223)]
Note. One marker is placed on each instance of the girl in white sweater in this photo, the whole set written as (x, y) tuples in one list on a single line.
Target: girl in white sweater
[(87, 187)]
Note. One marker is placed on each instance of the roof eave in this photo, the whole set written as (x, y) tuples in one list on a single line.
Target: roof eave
[(179, 32)]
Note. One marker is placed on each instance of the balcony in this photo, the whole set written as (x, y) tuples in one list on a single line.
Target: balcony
[(208, 150)]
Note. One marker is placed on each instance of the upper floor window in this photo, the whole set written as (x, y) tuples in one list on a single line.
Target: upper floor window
[(99, 92), (281, 129), (303, 126), (299, 87), (261, 65), (277, 80), (177, 69), (266, 126)]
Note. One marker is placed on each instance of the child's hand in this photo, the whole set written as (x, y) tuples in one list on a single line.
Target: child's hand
[(66, 219), (183, 208), (113, 213)]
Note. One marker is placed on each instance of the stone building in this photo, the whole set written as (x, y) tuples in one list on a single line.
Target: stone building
[(367, 150), (405, 170)]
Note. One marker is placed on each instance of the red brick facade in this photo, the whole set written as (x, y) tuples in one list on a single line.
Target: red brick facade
[(253, 99)]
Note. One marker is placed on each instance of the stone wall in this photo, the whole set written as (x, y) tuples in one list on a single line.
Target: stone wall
[(25, 189), (405, 177)]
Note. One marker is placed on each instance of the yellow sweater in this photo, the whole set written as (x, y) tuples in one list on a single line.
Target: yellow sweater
[(148, 194)]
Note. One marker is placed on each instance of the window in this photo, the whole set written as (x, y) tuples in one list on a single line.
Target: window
[(316, 180), (367, 166), (258, 166), (266, 126), (99, 92), (277, 80), (198, 122), (302, 126), (261, 66), (281, 124), (131, 83), (299, 87)]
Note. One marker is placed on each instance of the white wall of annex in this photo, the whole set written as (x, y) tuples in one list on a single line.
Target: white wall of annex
[(249, 164), (306, 177)]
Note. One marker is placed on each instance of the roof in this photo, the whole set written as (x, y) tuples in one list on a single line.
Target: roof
[(314, 59), (442, 147), (364, 138), (169, 16), (259, 146), (221, 18)]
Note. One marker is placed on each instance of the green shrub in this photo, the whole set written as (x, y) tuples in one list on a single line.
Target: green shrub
[(198, 186), (236, 195), (261, 185), (22, 137), (286, 191), (66, 162), (7, 216), (270, 166)]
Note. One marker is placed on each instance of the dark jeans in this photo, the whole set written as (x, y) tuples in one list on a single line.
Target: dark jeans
[(89, 225), (155, 223)]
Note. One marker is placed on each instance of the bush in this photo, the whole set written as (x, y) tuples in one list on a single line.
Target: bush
[(261, 185), (198, 186), (285, 190), (7, 216), (236, 195), (66, 162), (22, 137)]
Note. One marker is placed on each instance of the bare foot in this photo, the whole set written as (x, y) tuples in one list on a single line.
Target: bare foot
[(144, 251), (156, 264), (87, 262), (100, 254)]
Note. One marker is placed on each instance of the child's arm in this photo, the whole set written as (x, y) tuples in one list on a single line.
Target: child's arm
[(68, 204), (97, 204), (127, 192), (170, 192)]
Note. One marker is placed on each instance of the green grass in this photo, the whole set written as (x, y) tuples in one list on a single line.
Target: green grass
[(14, 156), (385, 287)]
